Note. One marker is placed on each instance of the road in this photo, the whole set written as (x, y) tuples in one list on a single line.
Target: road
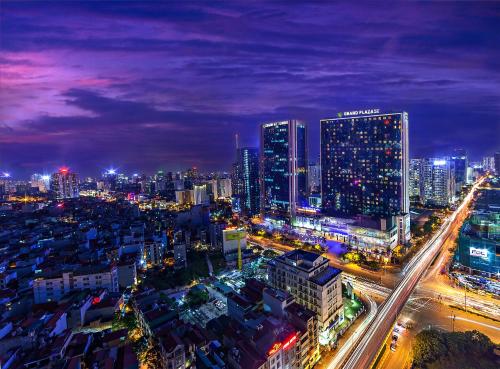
[(367, 348)]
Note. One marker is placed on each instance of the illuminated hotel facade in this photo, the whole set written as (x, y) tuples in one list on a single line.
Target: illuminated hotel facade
[(283, 171), (365, 169)]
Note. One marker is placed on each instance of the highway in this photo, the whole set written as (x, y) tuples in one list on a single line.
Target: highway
[(368, 346)]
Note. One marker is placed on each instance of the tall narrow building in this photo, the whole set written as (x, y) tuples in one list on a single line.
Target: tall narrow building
[(246, 188), (460, 164), (415, 179), (283, 156), (365, 167)]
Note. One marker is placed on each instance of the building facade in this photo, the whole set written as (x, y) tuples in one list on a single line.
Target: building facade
[(283, 158), (313, 283), (460, 165), (52, 287), (365, 166), (438, 182), (415, 179), (245, 183), (479, 244), (64, 184)]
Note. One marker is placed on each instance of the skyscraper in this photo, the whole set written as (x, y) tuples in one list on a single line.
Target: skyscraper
[(415, 179), (438, 183), (364, 166), (460, 164), (246, 188), (64, 184), (283, 157), (314, 177), (497, 163)]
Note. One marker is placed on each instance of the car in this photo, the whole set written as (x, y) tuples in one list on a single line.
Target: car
[(393, 346), (395, 338)]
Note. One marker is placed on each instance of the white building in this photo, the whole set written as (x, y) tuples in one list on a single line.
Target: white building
[(438, 182), (313, 283), (200, 194), (52, 287)]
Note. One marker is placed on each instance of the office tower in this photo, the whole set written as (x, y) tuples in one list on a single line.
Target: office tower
[(438, 183), (110, 180), (200, 194), (415, 179), (460, 164), (283, 158), (225, 189), (64, 184), (313, 282), (489, 164), (497, 163), (245, 183), (364, 167), (314, 178)]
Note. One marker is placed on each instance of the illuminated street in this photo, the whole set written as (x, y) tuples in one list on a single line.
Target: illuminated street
[(369, 345)]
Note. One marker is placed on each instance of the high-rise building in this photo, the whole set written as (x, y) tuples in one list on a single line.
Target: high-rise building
[(438, 183), (283, 158), (497, 163), (460, 164), (224, 189), (314, 178), (245, 183), (64, 184), (489, 164), (200, 194), (365, 166), (41, 182), (415, 179)]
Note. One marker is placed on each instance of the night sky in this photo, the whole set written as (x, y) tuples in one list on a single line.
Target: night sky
[(144, 86)]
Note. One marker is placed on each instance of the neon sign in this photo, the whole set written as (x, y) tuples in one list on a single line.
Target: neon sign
[(286, 345), (290, 341), (274, 349), (358, 112)]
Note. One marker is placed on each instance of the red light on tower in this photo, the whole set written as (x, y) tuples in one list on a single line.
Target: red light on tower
[(63, 170)]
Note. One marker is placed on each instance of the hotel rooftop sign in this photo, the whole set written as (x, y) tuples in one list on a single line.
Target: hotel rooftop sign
[(358, 112)]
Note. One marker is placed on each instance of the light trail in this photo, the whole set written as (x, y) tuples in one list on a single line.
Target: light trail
[(351, 342), (475, 322), (368, 346)]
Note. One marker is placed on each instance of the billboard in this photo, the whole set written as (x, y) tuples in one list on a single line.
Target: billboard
[(479, 253)]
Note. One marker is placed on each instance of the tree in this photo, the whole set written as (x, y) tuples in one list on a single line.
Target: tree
[(429, 346), (196, 297)]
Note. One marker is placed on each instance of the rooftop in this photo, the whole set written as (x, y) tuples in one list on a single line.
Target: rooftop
[(326, 275)]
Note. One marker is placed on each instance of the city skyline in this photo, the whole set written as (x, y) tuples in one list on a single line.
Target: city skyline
[(143, 87)]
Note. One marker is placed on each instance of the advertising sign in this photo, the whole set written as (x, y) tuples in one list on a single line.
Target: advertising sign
[(479, 253)]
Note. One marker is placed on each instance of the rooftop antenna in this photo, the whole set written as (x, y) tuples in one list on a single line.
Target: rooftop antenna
[(237, 139)]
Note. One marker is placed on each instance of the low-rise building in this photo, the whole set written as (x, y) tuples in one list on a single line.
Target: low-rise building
[(313, 283), (54, 285)]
